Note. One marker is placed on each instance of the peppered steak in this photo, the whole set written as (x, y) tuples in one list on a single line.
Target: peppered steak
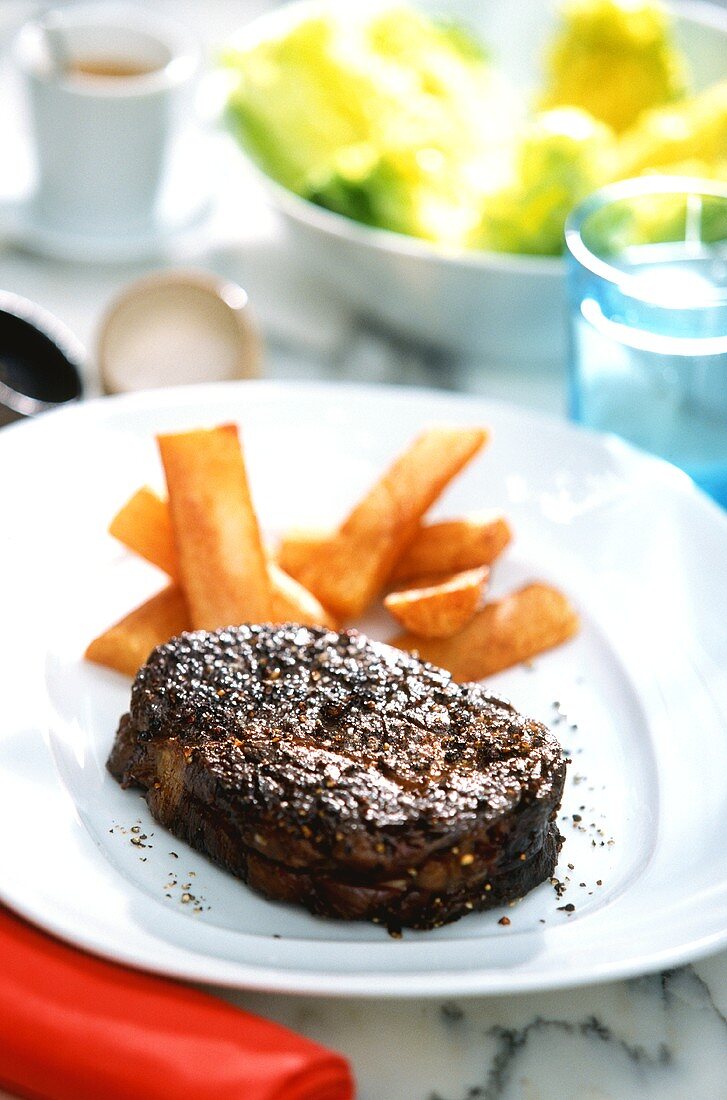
[(337, 772)]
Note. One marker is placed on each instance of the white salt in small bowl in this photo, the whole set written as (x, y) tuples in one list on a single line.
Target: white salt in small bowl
[(176, 328)]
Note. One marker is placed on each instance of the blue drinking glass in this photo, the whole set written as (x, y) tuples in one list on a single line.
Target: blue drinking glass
[(647, 286)]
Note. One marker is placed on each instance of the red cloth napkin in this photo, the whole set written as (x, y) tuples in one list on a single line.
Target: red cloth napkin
[(73, 1027)]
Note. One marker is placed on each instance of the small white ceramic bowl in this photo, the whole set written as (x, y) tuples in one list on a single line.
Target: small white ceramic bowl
[(502, 307), (175, 328)]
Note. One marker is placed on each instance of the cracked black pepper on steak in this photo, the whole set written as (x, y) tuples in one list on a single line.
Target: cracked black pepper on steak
[(327, 769)]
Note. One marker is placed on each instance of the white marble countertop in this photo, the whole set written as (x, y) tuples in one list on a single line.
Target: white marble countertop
[(662, 1036)]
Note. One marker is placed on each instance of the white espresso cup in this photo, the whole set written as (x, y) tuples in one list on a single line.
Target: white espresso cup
[(110, 88)]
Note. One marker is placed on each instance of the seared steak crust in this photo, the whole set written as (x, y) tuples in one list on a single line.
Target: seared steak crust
[(331, 770)]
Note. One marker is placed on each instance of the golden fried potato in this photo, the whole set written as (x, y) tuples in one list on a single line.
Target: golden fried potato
[(222, 565), (126, 645), (298, 547), (452, 545), (144, 525), (504, 633), (439, 546), (442, 606), (348, 571), (292, 603)]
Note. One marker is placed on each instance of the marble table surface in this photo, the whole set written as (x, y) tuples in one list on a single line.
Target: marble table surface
[(660, 1036)]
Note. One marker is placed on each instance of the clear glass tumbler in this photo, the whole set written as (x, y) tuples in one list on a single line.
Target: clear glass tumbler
[(647, 284)]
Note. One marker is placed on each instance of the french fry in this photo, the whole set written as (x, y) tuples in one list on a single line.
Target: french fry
[(504, 633), (292, 603), (442, 607), (126, 645), (143, 525), (298, 547), (349, 570), (441, 546), (452, 545), (222, 565), (208, 542)]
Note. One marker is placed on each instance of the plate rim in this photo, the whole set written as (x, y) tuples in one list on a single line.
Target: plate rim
[(375, 984)]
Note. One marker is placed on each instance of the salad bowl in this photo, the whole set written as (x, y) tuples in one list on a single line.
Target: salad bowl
[(502, 307)]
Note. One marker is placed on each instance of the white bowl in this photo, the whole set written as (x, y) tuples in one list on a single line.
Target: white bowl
[(500, 306)]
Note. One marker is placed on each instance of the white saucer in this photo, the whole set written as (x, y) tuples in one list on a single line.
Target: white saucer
[(184, 206)]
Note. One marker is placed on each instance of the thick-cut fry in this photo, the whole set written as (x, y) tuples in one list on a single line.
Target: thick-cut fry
[(442, 546), (348, 572), (506, 632), (298, 547), (126, 645), (442, 607), (222, 564), (292, 603), (451, 545), (144, 525)]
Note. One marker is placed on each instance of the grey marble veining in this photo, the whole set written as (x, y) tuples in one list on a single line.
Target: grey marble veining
[(657, 1037)]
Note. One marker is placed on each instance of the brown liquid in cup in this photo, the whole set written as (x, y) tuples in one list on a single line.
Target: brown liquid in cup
[(108, 67)]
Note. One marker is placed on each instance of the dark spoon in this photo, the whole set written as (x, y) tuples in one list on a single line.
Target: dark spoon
[(40, 360)]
